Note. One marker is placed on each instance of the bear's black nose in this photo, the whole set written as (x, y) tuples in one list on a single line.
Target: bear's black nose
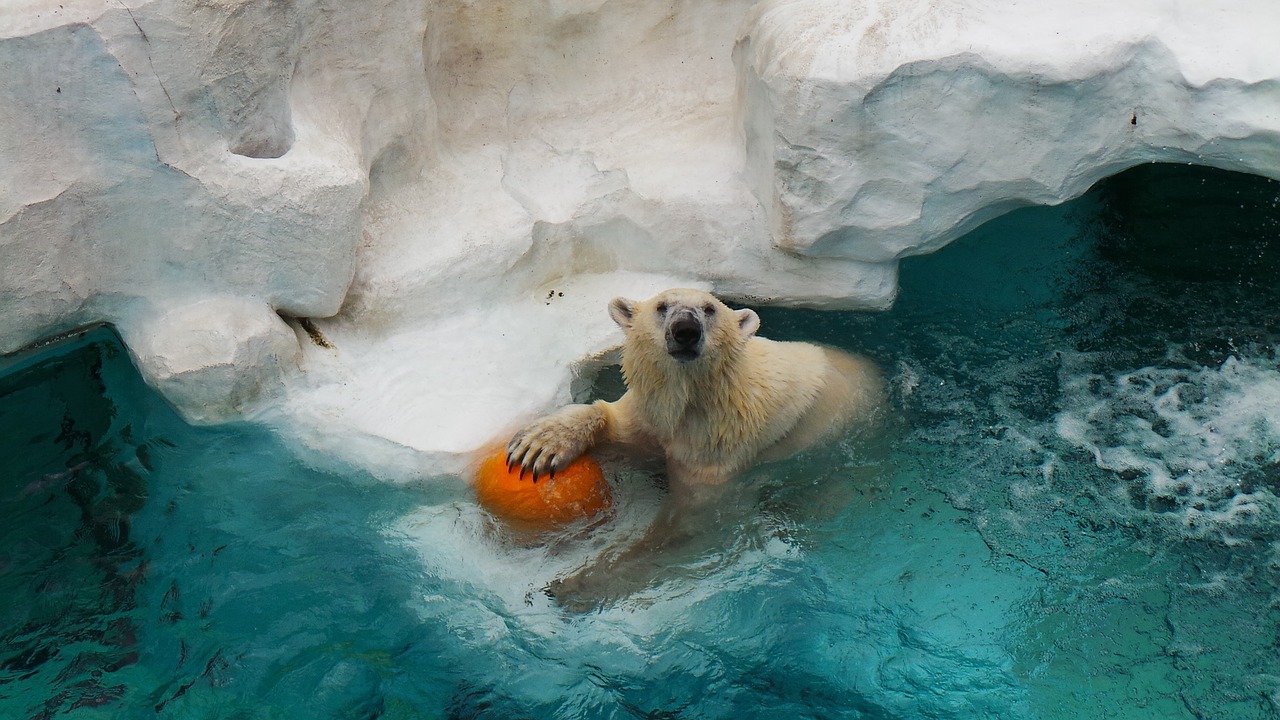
[(684, 336), (686, 331)]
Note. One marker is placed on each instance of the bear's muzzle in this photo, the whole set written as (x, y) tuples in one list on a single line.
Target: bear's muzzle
[(684, 336)]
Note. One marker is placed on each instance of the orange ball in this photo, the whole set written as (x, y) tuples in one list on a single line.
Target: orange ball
[(578, 491)]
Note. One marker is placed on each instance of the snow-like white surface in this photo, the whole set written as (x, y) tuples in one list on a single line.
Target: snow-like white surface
[(430, 177), (455, 384)]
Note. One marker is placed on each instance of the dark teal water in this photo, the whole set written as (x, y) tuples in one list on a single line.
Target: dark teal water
[(1073, 515)]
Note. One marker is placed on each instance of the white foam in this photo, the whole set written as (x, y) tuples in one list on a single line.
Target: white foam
[(1198, 438), (462, 546)]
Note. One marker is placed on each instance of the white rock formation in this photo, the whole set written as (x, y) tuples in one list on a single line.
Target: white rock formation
[(211, 358), (459, 187), (155, 155), (877, 130)]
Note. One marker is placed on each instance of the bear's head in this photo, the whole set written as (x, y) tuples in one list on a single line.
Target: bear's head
[(684, 324)]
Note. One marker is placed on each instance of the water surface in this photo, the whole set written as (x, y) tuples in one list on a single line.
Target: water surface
[(1073, 515)]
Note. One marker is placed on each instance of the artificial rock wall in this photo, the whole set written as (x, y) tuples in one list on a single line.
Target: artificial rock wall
[(454, 189)]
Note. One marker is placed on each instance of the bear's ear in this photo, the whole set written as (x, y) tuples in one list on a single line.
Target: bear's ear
[(622, 311), (748, 321)]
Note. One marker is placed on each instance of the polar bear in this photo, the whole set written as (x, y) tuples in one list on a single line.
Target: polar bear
[(707, 394)]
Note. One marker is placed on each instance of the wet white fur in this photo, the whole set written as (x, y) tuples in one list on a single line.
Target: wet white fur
[(744, 399)]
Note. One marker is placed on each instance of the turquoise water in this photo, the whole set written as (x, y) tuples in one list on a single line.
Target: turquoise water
[(1073, 515)]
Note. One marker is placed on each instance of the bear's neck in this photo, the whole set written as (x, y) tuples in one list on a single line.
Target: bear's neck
[(670, 394)]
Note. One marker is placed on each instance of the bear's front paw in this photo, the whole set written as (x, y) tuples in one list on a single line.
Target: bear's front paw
[(547, 446)]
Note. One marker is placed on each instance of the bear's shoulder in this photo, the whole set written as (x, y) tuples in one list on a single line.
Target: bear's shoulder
[(780, 376), (785, 357)]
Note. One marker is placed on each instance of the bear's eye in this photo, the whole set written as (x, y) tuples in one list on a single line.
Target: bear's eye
[(709, 310), (662, 308)]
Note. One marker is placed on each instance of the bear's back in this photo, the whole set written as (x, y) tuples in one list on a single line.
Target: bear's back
[(834, 389)]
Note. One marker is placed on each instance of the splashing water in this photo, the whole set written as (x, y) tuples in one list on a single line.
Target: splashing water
[(1202, 443)]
